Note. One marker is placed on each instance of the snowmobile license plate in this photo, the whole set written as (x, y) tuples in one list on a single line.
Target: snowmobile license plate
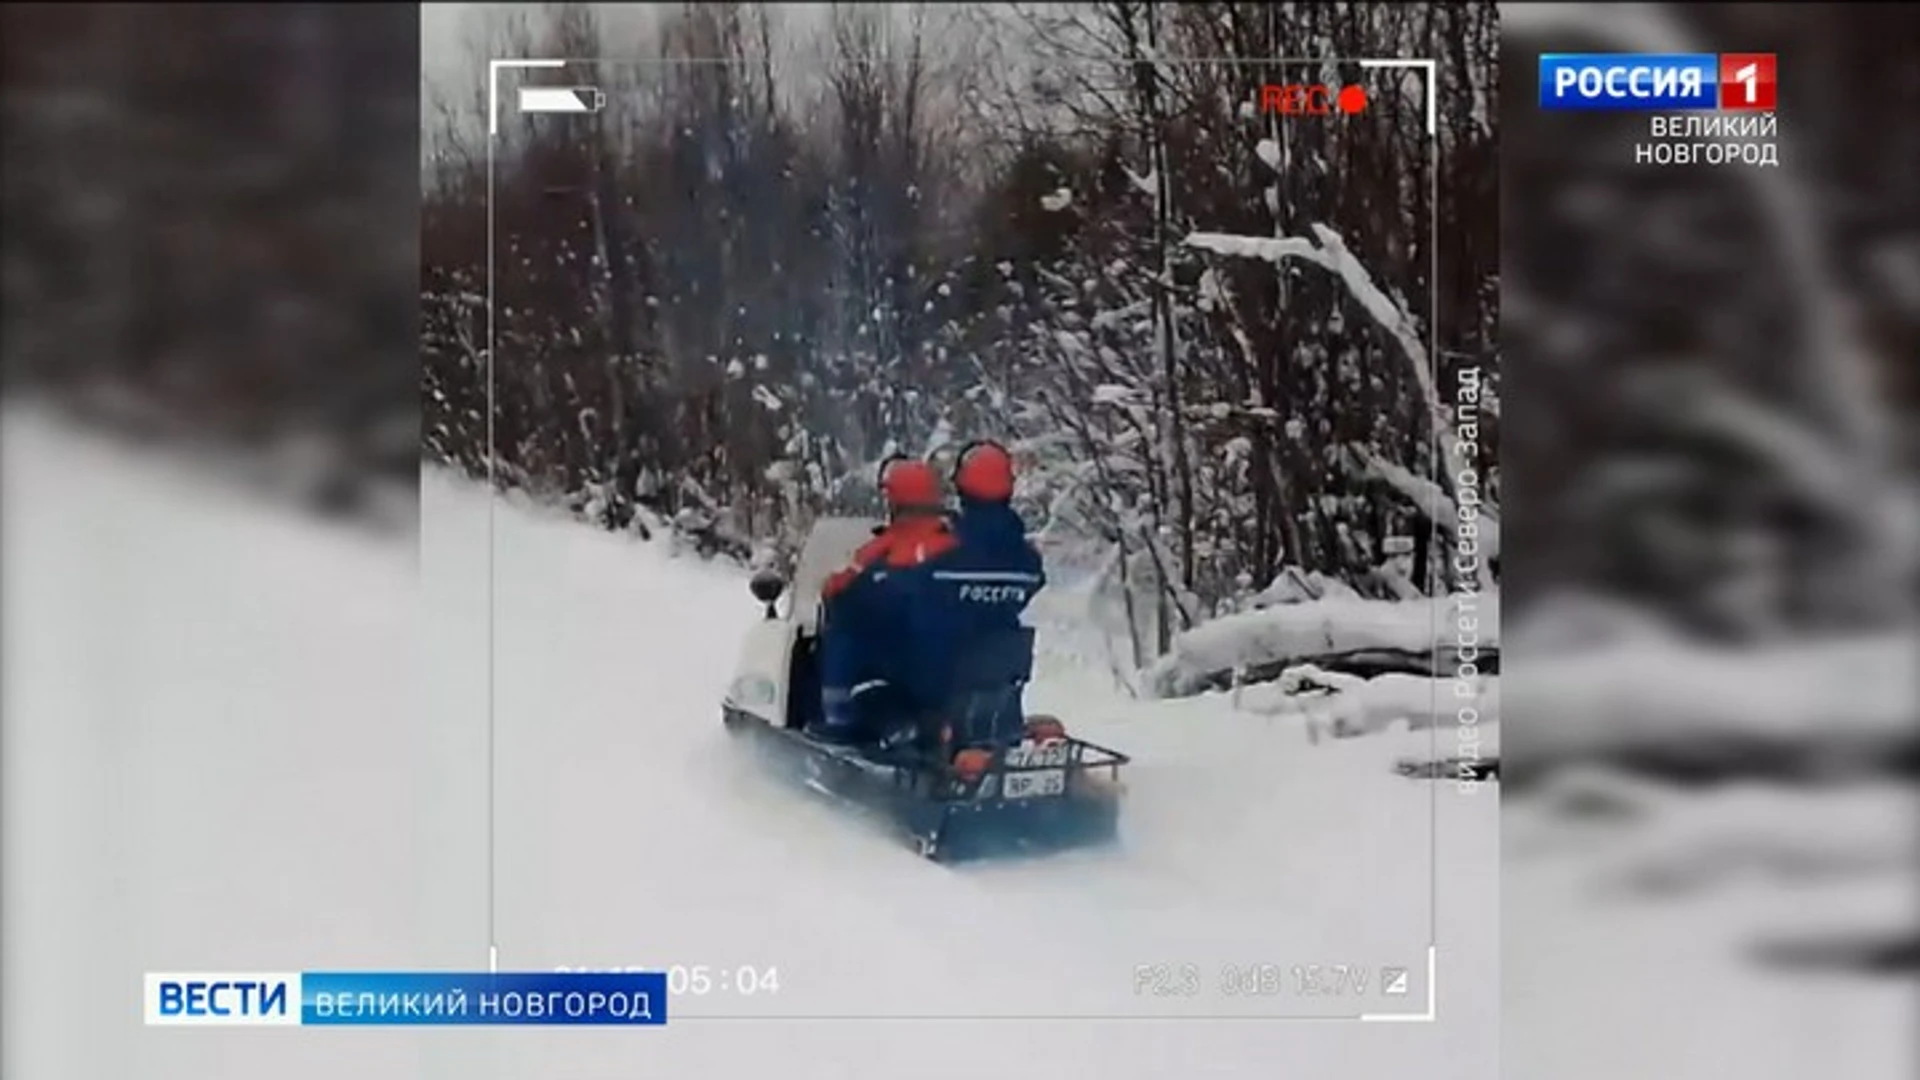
[(1034, 785), (1044, 755)]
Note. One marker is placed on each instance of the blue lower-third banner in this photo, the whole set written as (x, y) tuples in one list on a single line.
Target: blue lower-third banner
[(407, 998)]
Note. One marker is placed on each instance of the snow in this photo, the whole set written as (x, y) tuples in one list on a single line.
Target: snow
[(1436, 504), (1147, 183), (838, 882), (1662, 694), (1268, 151), (1212, 290), (1293, 585), (242, 740), (1568, 621), (1743, 897), (212, 760), (1056, 201), (1741, 832), (1332, 254), (1330, 625), (1677, 907), (1352, 705), (1329, 251)]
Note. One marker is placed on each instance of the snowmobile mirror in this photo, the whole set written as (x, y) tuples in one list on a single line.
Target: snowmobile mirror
[(767, 587)]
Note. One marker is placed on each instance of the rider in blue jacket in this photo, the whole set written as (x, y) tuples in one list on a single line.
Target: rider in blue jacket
[(993, 539), (978, 590)]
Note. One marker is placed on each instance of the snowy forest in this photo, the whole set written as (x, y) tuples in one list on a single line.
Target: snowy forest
[(799, 240), (1714, 571)]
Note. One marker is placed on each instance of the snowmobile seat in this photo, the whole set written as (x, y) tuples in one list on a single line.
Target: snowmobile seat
[(987, 681)]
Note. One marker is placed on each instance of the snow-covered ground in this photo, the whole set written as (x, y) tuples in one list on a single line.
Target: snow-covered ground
[(238, 739), (1649, 933), (1717, 929)]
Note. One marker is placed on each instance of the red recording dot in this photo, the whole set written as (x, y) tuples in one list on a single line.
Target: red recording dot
[(1352, 99)]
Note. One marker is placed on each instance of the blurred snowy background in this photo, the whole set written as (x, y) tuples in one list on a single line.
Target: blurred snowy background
[(1712, 376), (208, 494), (211, 221)]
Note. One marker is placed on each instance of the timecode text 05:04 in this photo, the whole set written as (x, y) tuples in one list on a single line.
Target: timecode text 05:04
[(697, 979)]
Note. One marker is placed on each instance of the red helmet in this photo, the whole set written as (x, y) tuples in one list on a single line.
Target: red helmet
[(907, 484), (984, 470)]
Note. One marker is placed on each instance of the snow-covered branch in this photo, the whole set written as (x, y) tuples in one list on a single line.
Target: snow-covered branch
[(1329, 251), (1432, 500)]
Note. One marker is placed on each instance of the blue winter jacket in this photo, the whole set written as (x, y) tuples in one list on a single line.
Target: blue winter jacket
[(978, 590), (995, 572), (968, 631)]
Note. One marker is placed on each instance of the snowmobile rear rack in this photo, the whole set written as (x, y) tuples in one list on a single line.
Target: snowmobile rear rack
[(1068, 797)]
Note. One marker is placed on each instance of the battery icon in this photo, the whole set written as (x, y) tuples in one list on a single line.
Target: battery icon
[(561, 99)]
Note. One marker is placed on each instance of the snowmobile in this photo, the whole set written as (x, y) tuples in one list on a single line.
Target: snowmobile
[(978, 779)]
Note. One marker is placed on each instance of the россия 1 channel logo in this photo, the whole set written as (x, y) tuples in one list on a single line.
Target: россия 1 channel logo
[(1658, 81)]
